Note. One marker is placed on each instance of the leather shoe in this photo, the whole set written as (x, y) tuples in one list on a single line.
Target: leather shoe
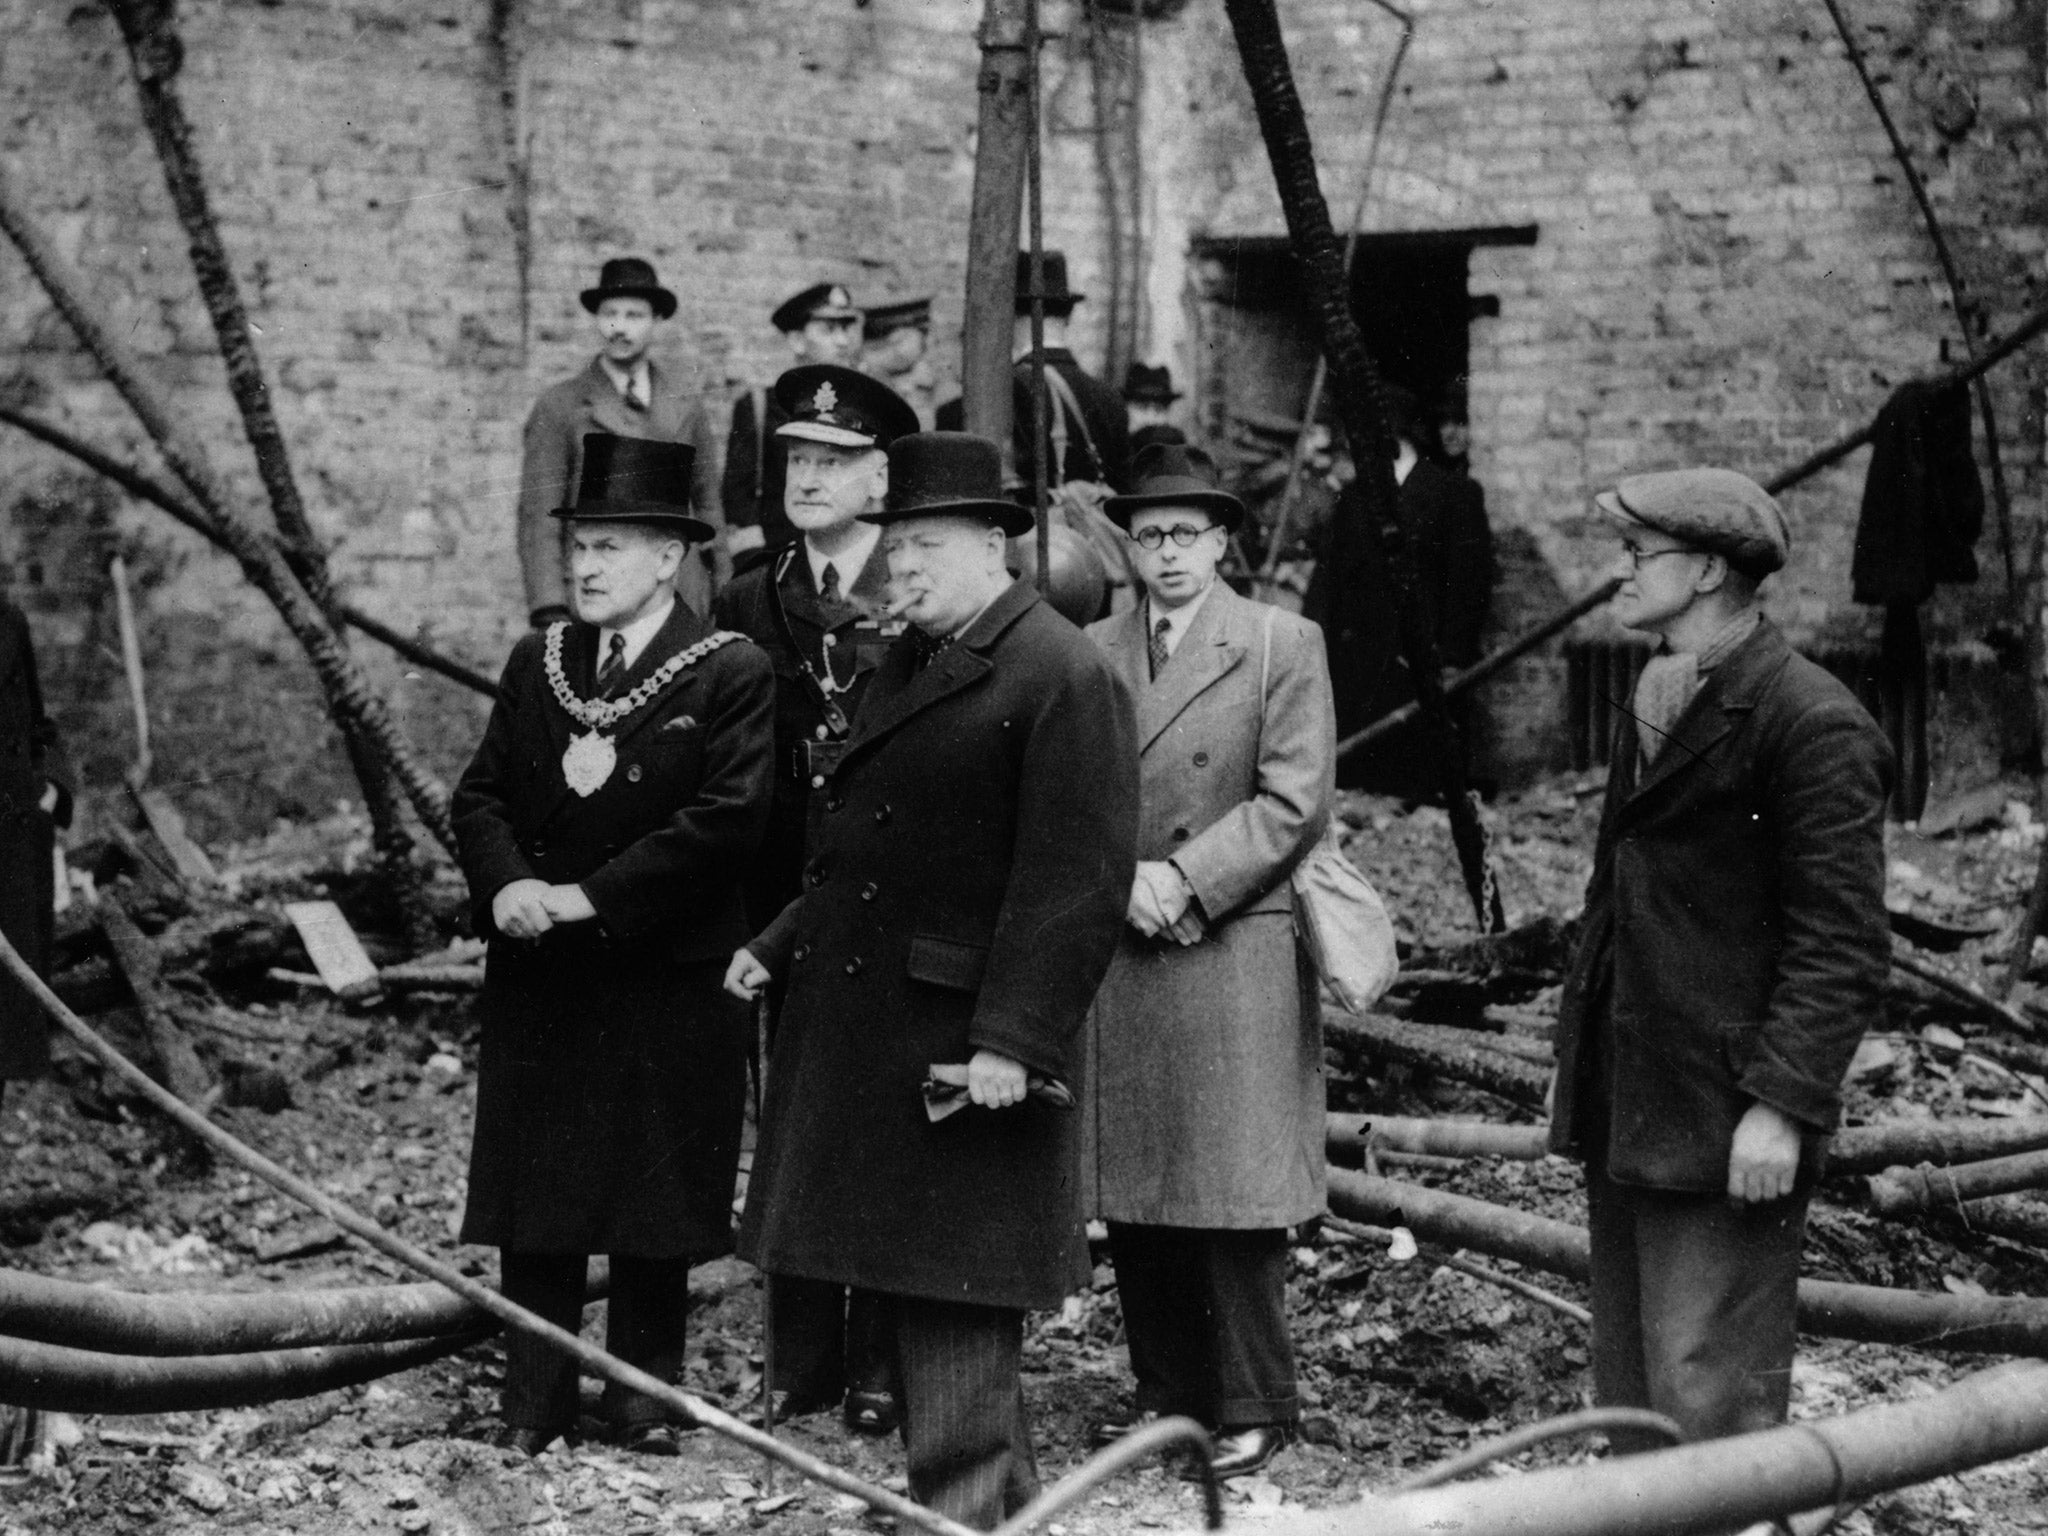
[(527, 1442), (1244, 1451), (872, 1411), (655, 1439), (1109, 1431), (796, 1405)]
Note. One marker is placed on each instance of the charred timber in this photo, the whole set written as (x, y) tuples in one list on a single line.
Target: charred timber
[(1903, 1191), (1450, 1052)]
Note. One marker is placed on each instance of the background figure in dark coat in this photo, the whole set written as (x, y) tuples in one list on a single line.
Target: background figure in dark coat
[(1349, 595), (817, 610), (1734, 949), (613, 1067), (35, 799), (961, 907)]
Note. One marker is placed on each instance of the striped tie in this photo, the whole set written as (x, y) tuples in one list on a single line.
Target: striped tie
[(613, 671), (1155, 647)]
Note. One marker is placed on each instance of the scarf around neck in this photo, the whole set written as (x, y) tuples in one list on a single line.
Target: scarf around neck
[(1671, 680)]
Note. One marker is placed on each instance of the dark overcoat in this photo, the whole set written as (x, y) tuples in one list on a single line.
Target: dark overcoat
[(1105, 424), (756, 471), (971, 875), (31, 758), (1734, 946), (849, 642), (613, 1065)]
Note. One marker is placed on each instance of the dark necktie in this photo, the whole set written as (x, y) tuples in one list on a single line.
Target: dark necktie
[(634, 398), (1155, 646), (927, 648), (613, 672), (828, 584)]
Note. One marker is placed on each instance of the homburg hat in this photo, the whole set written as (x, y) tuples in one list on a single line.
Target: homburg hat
[(1716, 510), (1059, 298), (1175, 475), (841, 406), (636, 480), (628, 277), (1149, 385), (948, 474), (820, 301)]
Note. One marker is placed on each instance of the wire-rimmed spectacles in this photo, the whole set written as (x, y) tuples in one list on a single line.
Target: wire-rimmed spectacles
[(1636, 557), (1182, 534)]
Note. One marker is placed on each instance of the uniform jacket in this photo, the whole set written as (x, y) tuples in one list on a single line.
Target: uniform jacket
[(1205, 1102), (1444, 516), (756, 470), (860, 635), (1108, 424), (31, 757), (555, 428), (1734, 945), (970, 876), (609, 1091)]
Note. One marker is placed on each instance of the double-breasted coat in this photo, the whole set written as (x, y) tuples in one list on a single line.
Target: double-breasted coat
[(553, 460), (613, 1064), (844, 644), (1734, 947), (31, 758), (1205, 1096), (970, 875)]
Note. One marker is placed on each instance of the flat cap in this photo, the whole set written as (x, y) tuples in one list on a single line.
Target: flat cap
[(1717, 510)]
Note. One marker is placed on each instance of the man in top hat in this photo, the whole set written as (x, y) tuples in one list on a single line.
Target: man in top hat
[(1086, 432), (961, 903), (819, 611), (618, 797), (822, 325), (1204, 1109), (1734, 949), (1148, 396), (896, 340), (626, 393)]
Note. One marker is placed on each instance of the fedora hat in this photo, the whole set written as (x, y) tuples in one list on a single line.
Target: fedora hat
[(628, 277), (1152, 386), (948, 474), (636, 480), (842, 406), (1175, 475), (1058, 297)]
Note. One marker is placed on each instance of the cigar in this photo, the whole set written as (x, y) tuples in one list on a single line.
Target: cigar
[(899, 606)]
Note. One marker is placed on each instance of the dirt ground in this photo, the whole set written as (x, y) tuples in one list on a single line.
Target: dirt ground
[(1402, 1363)]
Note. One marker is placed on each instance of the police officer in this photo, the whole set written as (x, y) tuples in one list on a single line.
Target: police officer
[(817, 609)]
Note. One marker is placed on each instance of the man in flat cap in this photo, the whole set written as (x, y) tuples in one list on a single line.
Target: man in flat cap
[(818, 610), (1734, 949), (822, 325), (605, 824), (961, 904), (623, 392)]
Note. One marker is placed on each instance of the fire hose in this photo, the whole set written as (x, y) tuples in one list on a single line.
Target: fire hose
[(689, 1407)]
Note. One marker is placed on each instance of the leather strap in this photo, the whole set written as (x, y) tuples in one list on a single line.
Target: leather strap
[(835, 717)]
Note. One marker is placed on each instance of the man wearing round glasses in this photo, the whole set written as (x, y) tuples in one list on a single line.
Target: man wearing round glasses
[(1733, 950)]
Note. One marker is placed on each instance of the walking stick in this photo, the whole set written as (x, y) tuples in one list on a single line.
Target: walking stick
[(767, 1286)]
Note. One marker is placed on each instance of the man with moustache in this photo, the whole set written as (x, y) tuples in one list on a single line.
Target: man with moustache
[(626, 393), (960, 906), (621, 788), (1734, 948), (817, 611)]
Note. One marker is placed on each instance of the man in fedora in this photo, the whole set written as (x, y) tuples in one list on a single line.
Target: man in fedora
[(605, 825), (819, 611), (1148, 396), (960, 907), (626, 393), (1734, 948), (822, 324)]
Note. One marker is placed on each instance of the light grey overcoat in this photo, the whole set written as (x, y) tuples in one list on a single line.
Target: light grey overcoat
[(1203, 1098)]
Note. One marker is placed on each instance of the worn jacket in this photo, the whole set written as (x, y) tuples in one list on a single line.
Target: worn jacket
[(966, 891), (1734, 946)]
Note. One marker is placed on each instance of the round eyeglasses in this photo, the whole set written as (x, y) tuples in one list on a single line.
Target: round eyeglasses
[(1637, 558), (1182, 534)]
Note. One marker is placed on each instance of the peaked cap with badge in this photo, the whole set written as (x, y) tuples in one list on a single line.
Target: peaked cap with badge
[(628, 277), (820, 301), (1175, 475), (844, 407), (636, 480), (897, 315), (949, 474)]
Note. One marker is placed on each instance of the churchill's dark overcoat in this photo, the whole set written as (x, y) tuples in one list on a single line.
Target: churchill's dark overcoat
[(973, 865), (30, 759), (613, 1067)]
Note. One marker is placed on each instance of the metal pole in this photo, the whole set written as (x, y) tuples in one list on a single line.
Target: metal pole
[(1041, 511)]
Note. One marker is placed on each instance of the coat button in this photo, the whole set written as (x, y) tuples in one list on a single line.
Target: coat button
[(817, 878), (882, 814), (869, 891), (633, 774), (853, 966), (835, 803), (1201, 759), (803, 952), (540, 849), (1180, 834)]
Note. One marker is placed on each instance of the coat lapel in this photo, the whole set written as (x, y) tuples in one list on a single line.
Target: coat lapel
[(1730, 690), (1204, 655), (682, 629), (898, 694), (1124, 644)]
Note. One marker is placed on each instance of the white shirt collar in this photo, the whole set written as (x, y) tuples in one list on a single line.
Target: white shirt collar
[(638, 633), (641, 374), (849, 562), (1177, 619)]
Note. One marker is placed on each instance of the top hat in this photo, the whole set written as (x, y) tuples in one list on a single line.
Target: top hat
[(901, 315), (628, 277), (636, 480), (948, 474), (1150, 386), (820, 301), (841, 406), (1059, 299), (1175, 475)]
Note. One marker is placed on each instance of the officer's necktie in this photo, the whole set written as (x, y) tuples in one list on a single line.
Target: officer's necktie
[(828, 583), (1155, 647), (613, 671)]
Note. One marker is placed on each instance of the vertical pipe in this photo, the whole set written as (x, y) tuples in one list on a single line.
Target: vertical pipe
[(999, 156), (1034, 174)]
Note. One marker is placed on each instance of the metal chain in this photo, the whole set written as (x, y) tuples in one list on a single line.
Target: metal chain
[(599, 714)]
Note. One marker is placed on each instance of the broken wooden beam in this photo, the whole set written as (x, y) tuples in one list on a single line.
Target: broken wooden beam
[(1901, 1191), (1454, 1053), (1352, 1134), (182, 1070)]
